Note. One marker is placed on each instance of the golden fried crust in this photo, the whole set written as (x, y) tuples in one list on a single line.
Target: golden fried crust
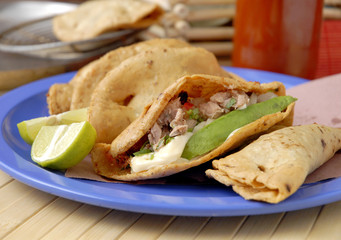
[(77, 93), (59, 98), (90, 76), (273, 167)]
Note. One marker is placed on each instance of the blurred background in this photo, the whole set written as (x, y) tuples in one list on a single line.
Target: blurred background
[(203, 23)]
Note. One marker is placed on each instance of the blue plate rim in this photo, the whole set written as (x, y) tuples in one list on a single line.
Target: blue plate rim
[(151, 199)]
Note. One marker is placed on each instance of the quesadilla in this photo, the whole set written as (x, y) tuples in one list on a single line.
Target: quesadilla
[(196, 112), (93, 18), (274, 166), (77, 93)]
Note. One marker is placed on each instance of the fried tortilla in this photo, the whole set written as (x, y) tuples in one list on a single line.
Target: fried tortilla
[(93, 18), (120, 160), (77, 93), (59, 96), (122, 94), (274, 166)]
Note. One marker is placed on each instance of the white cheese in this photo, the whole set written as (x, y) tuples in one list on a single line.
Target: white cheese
[(170, 153)]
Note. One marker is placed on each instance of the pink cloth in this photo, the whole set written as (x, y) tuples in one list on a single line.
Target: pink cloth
[(319, 101)]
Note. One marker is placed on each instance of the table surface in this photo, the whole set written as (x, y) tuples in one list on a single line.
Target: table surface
[(28, 213)]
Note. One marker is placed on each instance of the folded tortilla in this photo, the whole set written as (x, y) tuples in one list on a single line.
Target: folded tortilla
[(274, 166), (77, 93), (109, 159), (93, 18), (122, 94)]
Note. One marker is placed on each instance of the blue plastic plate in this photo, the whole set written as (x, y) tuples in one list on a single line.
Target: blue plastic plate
[(29, 101)]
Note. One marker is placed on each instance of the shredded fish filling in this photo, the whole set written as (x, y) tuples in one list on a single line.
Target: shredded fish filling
[(183, 116)]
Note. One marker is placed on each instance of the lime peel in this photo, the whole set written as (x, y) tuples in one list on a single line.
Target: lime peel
[(63, 146)]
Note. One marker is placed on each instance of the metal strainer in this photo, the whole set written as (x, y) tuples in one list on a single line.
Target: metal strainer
[(33, 35)]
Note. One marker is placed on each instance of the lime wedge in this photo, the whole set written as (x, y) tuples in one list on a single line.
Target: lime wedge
[(78, 115), (29, 129), (63, 146)]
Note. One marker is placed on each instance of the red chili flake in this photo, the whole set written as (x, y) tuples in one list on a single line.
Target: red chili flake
[(188, 105)]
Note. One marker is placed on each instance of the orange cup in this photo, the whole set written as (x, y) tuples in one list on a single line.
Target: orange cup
[(278, 35)]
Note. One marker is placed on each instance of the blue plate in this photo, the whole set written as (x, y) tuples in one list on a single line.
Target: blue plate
[(29, 101)]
